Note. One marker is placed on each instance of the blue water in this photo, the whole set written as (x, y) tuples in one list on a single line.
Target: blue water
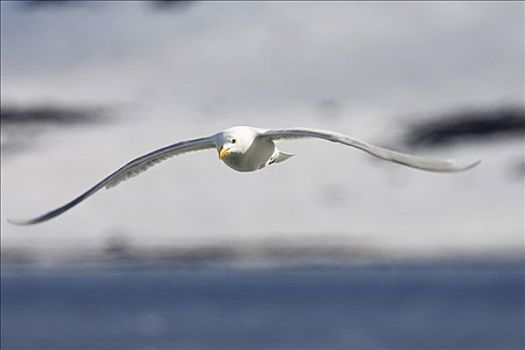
[(414, 306)]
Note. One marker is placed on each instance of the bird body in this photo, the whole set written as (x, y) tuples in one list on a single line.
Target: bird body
[(247, 149)]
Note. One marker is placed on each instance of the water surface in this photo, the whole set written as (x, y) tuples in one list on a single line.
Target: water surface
[(411, 306)]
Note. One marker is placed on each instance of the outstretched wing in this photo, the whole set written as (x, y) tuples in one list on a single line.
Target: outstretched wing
[(131, 169), (383, 153)]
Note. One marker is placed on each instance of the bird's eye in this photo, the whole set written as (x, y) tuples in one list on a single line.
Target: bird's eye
[(234, 140)]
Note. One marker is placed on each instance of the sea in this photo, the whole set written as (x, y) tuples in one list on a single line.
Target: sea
[(415, 305)]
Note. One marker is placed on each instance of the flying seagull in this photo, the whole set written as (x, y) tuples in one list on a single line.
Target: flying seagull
[(245, 149)]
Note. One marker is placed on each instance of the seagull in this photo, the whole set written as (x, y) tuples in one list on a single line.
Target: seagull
[(247, 149)]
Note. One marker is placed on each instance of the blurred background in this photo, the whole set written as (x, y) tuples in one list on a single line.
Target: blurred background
[(313, 253)]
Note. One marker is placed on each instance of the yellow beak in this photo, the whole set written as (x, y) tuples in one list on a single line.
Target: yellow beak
[(223, 153)]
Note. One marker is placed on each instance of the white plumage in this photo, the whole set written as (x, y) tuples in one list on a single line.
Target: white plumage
[(248, 149)]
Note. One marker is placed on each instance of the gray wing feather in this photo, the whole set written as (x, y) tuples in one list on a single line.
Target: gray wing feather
[(380, 152), (131, 169)]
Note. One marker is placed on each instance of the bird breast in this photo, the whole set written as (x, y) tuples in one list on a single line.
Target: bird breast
[(255, 157)]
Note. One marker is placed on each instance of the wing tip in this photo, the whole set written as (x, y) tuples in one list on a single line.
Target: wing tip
[(469, 166), (19, 222), (456, 167), (450, 166)]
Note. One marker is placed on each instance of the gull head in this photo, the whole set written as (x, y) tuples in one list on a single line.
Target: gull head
[(235, 142)]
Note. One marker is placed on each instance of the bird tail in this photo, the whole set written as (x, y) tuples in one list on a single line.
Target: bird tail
[(282, 156)]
